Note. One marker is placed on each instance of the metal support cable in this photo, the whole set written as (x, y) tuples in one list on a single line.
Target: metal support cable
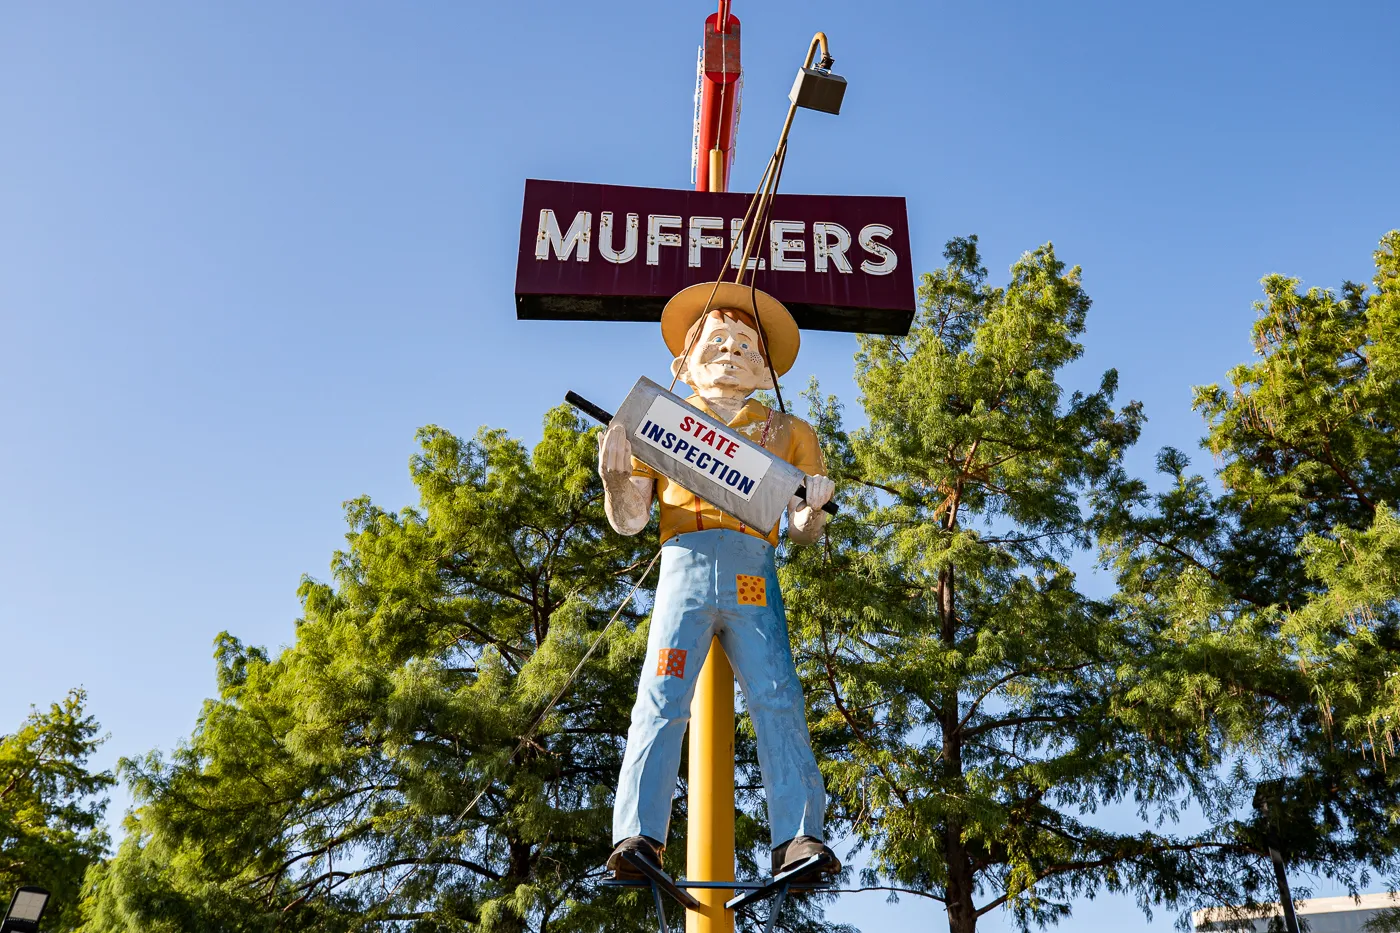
[(524, 740), (728, 261), (757, 218)]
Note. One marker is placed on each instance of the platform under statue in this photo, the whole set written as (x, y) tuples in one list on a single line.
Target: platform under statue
[(718, 579)]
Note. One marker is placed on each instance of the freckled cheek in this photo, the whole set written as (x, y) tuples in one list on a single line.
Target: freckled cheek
[(754, 357)]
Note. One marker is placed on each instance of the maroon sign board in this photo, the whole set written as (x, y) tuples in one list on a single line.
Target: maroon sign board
[(617, 253)]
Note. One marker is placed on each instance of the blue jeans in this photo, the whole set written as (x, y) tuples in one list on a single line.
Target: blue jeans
[(718, 583)]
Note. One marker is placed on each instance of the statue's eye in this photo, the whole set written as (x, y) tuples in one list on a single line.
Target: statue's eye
[(717, 339), (744, 345)]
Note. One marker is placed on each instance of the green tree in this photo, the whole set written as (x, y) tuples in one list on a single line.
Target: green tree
[(970, 701), (335, 786), (1279, 592), (322, 788), (51, 806)]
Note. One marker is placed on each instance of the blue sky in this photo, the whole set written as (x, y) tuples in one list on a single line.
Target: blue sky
[(245, 251)]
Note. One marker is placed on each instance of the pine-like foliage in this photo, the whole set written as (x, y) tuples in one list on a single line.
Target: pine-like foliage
[(322, 789), (331, 788), (1279, 594), (972, 705), (51, 806)]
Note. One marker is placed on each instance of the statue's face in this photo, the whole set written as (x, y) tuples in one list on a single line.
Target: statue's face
[(726, 355)]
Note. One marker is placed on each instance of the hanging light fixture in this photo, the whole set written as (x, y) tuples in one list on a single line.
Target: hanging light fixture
[(816, 88)]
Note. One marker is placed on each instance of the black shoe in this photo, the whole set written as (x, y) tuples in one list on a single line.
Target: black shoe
[(791, 854), (643, 846)]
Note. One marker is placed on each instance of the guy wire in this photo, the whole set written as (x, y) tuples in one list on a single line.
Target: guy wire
[(728, 261), (524, 740), (761, 210), (780, 156)]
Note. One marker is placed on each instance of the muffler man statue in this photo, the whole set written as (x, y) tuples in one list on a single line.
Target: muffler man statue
[(718, 579)]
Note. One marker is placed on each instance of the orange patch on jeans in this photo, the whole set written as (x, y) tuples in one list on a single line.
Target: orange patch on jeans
[(753, 591), (670, 662)]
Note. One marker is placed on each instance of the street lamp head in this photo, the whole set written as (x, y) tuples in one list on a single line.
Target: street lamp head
[(816, 88), (26, 907)]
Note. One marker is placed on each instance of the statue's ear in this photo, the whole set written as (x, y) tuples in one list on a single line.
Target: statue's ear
[(765, 378), (678, 369)]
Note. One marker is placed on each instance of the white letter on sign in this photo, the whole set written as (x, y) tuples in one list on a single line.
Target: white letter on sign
[(736, 250), (605, 239), (549, 235), (778, 245), (888, 260), (833, 249), (698, 240), (656, 239)]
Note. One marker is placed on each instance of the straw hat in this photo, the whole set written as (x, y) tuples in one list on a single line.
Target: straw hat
[(780, 332)]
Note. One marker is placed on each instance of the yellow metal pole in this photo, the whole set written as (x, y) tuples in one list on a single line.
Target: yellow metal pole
[(710, 837), (709, 852)]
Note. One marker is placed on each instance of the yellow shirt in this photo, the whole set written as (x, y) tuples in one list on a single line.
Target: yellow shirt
[(787, 436)]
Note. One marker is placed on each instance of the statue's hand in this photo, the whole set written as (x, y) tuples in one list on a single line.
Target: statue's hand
[(615, 455), (626, 498), (820, 489), (807, 517)]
